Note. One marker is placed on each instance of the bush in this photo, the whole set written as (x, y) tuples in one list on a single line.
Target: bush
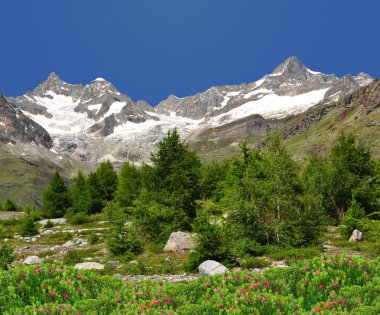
[(93, 238), (9, 205), (79, 218), (29, 226), (210, 243), (49, 224), (253, 262), (354, 219), (124, 242), (6, 256)]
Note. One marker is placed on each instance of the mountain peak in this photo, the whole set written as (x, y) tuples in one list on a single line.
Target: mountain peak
[(53, 77), (290, 65)]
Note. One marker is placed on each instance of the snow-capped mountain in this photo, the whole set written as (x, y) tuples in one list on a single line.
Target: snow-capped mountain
[(96, 122)]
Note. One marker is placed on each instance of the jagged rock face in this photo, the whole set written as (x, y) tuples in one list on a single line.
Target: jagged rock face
[(96, 122), (15, 126), (289, 79)]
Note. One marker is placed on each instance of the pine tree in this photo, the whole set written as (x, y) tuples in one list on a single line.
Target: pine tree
[(97, 201), (129, 184), (107, 180), (55, 199), (80, 194), (176, 172)]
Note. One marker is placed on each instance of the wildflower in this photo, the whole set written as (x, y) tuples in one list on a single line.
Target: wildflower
[(220, 305), (307, 267), (52, 293), (255, 285), (79, 277), (65, 296), (230, 309), (266, 284), (69, 281), (364, 266), (156, 302), (22, 274), (242, 291), (167, 300), (317, 272), (217, 289), (118, 299), (334, 284), (207, 284), (341, 302), (122, 310), (143, 307), (330, 304), (128, 304), (317, 309), (320, 287)]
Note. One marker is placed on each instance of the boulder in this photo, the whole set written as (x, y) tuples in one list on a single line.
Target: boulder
[(32, 260), (47, 232), (179, 241), (54, 221), (55, 248), (68, 245), (89, 265), (211, 267), (356, 236)]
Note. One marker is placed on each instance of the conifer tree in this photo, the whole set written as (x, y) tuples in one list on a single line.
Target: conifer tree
[(55, 199), (129, 184), (106, 180), (80, 194)]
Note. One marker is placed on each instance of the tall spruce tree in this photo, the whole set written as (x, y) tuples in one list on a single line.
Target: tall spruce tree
[(55, 199), (107, 180), (129, 184), (80, 194), (176, 173)]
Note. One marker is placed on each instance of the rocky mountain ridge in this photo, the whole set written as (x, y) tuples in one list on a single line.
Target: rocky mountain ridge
[(95, 122)]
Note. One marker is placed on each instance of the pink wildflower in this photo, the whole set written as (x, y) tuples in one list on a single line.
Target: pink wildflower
[(341, 302), (69, 281), (242, 291), (220, 305), (167, 300), (128, 304), (230, 309), (65, 296), (317, 272), (217, 289), (156, 302), (320, 287), (207, 284), (118, 299), (307, 267), (255, 285), (266, 284), (79, 277), (52, 293), (334, 284), (330, 304)]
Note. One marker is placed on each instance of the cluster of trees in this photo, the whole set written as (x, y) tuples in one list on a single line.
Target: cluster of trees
[(237, 207)]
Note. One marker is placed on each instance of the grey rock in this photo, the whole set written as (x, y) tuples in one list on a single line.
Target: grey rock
[(16, 127), (68, 245), (32, 260), (211, 267), (54, 221), (118, 275), (356, 236), (179, 241), (46, 232), (89, 265), (113, 262), (56, 248)]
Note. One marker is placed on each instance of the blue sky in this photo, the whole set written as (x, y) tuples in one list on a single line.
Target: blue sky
[(149, 49)]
